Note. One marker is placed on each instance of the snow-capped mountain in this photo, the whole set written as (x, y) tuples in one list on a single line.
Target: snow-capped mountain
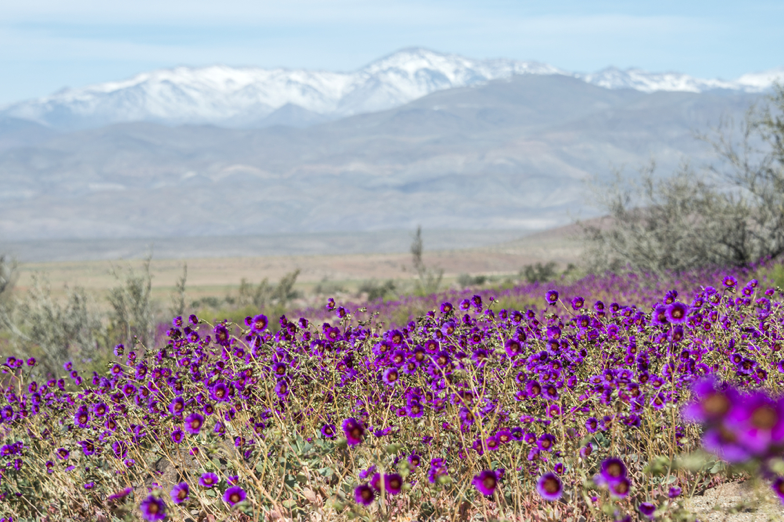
[(639, 80), (758, 82), (249, 96), (244, 96)]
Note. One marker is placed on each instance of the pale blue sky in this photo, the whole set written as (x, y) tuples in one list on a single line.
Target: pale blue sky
[(46, 45)]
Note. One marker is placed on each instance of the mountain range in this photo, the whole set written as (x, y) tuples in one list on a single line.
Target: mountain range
[(252, 97), (509, 153)]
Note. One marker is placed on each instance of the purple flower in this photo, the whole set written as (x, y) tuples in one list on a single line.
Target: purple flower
[(778, 488), (88, 448), (219, 392), (492, 443), (391, 376), (486, 482), (81, 417), (100, 409), (675, 492), (552, 297), (258, 324), (549, 486), (466, 416), (545, 442), (177, 405), (375, 482), (120, 494), (193, 423), (282, 389), (354, 431), (180, 493), (712, 403), (504, 436), (647, 509), (221, 335), (279, 369), (234, 495), (365, 473), (415, 410), (659, 315), (437, 470), (208, 480), (364, 494), (177, 435), (533, 389), (415, 460), (153, 508), (758, 422), (513, 347), (393, 483), (612, 470), (620, 488), (328, 431), (120, 449), (63, 453), (550, 392), (676, 312)]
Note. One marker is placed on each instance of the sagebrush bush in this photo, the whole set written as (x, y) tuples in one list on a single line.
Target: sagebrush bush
[(730, 215)]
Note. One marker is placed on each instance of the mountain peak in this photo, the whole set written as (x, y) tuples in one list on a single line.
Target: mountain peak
[(246, 96)]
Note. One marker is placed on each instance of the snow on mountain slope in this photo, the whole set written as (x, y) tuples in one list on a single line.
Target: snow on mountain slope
[(614, 78), (245, 97), (242, 96), (757, 82)]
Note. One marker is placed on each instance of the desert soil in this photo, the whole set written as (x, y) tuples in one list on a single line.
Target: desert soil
[(737, 502), (210, 274)]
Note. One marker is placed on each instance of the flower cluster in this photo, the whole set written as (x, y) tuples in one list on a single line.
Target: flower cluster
[(519, 407)]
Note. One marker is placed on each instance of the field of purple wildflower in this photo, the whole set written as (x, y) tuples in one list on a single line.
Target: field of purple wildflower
[(611, 398)]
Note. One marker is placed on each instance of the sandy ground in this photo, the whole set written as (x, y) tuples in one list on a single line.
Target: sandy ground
[(738, 502), (206, 275)]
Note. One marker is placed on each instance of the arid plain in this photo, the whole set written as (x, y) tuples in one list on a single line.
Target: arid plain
[(216, 275)]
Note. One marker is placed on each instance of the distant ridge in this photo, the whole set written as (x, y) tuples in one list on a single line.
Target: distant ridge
[(251, 97), (507, 154)]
